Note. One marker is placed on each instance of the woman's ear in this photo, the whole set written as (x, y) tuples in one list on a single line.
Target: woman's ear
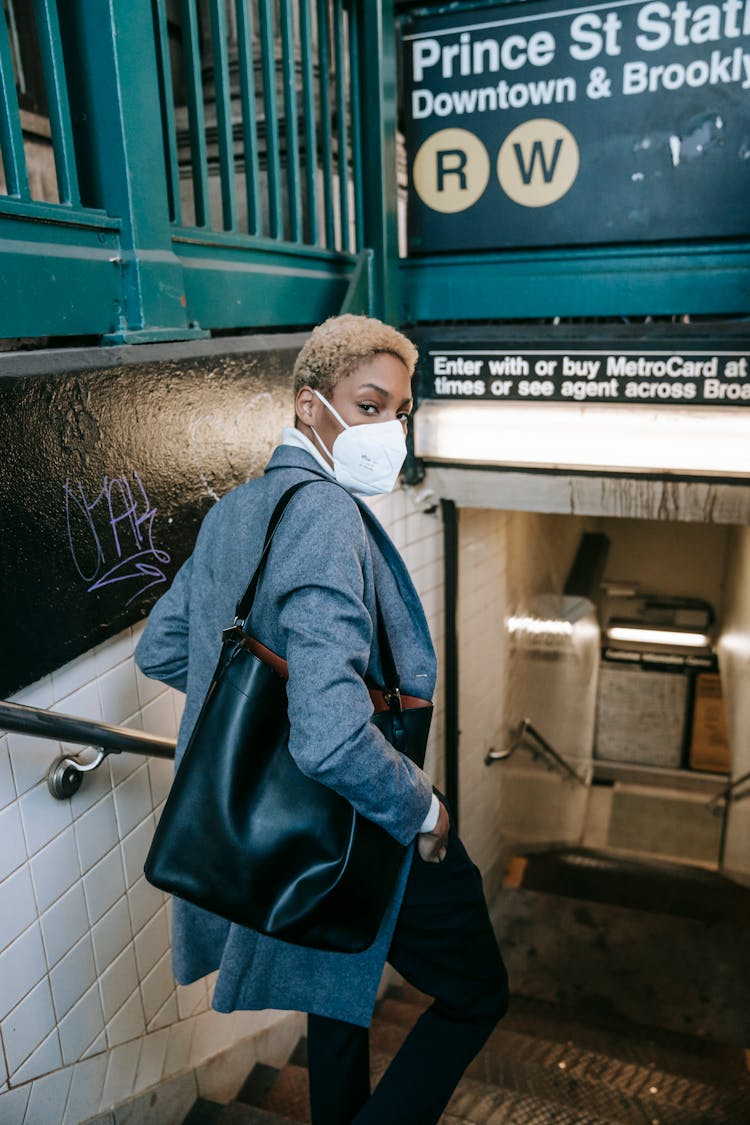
[(304, 406)]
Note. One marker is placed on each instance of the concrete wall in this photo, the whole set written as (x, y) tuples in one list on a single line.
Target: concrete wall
[(665, 557), (89, 1011)]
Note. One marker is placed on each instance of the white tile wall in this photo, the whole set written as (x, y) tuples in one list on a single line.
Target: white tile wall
[(72, 976), (43, 1060), (506, 560), (84, 939), (23, 966), (734, 662), (128, 1023), (86, 1088), (482, 607), (119, 981), (7, 786), (12, 848), (64, 923), (27, 1025), (55, 868), (47, 1096), (82, 1026), (17, 906)]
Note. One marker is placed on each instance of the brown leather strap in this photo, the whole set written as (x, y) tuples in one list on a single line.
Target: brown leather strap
[(279, 665), (281, 668), (407, 701)]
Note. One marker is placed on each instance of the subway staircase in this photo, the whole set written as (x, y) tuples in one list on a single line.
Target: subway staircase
[(575, 1055)]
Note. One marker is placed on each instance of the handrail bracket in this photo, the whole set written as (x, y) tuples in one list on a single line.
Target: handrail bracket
[(66, 773)]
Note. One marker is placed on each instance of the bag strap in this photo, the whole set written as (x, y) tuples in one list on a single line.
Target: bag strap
[(245, 604)]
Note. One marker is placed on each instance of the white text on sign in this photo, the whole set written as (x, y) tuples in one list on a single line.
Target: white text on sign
[(721, 378)]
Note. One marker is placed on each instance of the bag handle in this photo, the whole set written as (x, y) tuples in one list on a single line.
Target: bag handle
[(245, 604)]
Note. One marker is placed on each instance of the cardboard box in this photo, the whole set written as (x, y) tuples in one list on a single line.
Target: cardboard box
[(709, 742)]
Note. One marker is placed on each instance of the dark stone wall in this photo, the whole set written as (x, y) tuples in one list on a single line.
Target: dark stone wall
[(110, 460)]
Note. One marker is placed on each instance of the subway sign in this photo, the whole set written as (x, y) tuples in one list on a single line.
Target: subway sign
[(533, 124), (583, 374)]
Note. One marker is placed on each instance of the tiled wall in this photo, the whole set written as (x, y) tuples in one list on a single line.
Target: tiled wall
[(551, 679), (508, 561), (481, 661), (89, 1012), (734, 661)]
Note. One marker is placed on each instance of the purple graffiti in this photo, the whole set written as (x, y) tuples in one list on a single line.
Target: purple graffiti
[(111, 536)]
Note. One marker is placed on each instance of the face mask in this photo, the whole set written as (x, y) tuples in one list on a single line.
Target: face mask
[(366, 458)]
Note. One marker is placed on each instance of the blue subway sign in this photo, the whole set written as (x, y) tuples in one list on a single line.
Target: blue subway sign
[(551, 124)]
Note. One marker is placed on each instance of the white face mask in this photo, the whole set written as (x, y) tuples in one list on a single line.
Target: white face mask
[(366, 458)]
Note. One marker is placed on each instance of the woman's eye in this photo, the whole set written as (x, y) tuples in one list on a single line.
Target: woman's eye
[(368, 408), (403, 417)]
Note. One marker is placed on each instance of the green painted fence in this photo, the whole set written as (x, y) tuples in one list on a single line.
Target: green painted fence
[(218, 164)]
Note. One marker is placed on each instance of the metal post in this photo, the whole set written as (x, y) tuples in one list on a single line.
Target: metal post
[(115, 104), (378, 108), (450, 660)]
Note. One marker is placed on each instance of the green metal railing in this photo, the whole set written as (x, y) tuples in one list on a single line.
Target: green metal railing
[(209, 167)]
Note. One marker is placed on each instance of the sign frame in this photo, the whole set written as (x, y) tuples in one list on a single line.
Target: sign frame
[(705, 373), (675, 277)]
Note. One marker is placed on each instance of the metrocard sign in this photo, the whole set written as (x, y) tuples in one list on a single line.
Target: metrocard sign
[(533, 124)]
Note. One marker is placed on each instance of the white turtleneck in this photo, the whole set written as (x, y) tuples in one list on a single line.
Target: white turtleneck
[(292, 436)]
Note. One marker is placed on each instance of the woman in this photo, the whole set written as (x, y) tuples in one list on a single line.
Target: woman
[(316, 607)]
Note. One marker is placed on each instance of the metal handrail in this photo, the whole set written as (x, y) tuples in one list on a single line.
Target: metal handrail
[(727, 793), (527, 730), (67, 772)]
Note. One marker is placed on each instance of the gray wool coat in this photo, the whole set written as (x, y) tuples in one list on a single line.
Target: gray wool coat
[(316, 607)]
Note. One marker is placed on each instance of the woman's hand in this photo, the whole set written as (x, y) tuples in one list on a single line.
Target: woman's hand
[(432, 845)]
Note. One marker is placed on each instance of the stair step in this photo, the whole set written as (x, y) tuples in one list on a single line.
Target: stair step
[(237, 1113), (687, 1055), (654, 885), (290, 1094), (203, 1112), (536, 1077), (597, 957), (473, 1101), (206, 1112), (484, 1103), (579, 1077), (258, 1084)]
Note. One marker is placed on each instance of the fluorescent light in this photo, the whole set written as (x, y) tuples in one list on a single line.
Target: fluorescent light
[(643, 635), (592, 437), (523, 624)]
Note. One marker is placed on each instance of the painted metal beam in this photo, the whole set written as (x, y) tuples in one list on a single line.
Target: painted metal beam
[(616, 281), (238, 284)]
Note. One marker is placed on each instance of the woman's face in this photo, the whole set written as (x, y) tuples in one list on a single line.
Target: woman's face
[(379, 390)]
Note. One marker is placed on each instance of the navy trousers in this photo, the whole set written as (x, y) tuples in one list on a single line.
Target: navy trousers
[(445, 946)]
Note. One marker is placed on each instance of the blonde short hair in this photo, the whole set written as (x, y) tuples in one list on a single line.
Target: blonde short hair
[(340, 344)]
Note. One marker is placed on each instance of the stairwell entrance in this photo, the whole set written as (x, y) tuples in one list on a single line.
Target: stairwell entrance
[(638, 683), (620, 890)]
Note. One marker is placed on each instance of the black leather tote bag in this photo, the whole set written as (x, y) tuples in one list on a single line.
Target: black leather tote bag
[(246, 835)]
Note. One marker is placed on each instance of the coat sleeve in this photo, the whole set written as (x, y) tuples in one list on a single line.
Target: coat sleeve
[(162, 651), (327, 631)]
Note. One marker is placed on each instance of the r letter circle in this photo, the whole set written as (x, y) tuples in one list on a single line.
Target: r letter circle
[(451, 170)]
